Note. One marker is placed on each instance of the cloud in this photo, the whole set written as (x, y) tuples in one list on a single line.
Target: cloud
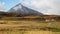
[(44, 6), (2, 5)]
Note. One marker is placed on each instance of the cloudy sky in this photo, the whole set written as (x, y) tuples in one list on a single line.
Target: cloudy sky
[(43, 6), (7, 4)]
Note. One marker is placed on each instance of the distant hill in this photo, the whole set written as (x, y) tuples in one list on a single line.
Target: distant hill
[(3, 14), (14, 16)]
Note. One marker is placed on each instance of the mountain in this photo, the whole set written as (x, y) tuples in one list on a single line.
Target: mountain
[(19, 9)]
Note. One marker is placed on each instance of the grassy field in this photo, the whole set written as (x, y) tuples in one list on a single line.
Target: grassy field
[(29, 27)]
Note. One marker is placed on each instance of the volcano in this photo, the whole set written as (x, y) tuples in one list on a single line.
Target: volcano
[(23, 10)]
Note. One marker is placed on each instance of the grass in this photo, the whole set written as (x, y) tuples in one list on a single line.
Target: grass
[(25, 32), (36, 26)]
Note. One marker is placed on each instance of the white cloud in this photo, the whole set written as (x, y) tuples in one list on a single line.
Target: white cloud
[(1, 5), (44, 6)]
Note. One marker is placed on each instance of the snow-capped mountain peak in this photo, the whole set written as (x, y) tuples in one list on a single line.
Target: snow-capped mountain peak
[(22, 10)]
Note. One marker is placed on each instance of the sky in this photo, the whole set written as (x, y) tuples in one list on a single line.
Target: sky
[(43, 6), (7, 4)]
